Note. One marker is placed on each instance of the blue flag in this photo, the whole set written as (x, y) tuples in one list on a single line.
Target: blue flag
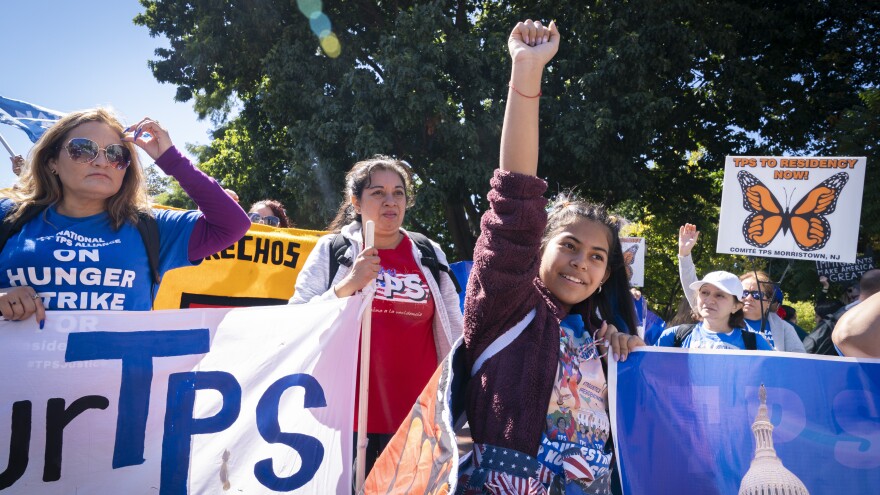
[(30, 118), (705, 422)]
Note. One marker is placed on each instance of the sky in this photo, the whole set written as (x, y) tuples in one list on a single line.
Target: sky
[(43, 48)]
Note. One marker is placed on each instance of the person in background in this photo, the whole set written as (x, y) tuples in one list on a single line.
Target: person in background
[(17, 164), (821, 339), (789, 314), (718, 300), (232, 194), (758, 294), (415, 318), (684, 315), (650, 325), (85, 178), (269, 212), (851, 294), (825, 309)]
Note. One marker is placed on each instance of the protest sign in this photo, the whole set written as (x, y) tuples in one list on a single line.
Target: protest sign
[(845, 273), (247, 400), (698, 423), (258, 270), (634, 259), (803, 208)]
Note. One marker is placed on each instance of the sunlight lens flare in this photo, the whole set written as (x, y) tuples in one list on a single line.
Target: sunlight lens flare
[(330, 45), (309, 8), (321, 26)]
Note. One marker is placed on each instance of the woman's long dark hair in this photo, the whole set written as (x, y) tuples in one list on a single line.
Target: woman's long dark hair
[(613, 301)]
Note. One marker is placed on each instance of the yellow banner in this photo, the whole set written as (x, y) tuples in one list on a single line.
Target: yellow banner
[(260, 269)]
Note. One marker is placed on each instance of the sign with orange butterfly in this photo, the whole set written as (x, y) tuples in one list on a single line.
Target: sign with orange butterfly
[(634, 259), (804, 208)]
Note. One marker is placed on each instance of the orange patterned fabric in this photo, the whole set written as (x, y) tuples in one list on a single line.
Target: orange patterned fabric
[(422, 457)]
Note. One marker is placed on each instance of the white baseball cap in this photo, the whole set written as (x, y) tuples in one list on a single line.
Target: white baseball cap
[(724, 281)]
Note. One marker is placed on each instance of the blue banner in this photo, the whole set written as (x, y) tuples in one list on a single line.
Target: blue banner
[(32, 119), (693, 422), (462, 271)]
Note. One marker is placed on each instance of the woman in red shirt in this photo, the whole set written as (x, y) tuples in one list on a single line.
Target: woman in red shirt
[(415, 317)]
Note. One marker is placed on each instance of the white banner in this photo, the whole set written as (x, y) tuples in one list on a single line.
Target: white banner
[(804, 208), (249, 400), (634, 259)]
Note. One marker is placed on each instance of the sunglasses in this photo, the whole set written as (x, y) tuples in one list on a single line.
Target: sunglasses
[(82, 150), (756, 295), (270, 220)]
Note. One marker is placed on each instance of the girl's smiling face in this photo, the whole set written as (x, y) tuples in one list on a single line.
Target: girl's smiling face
[(575, 261)]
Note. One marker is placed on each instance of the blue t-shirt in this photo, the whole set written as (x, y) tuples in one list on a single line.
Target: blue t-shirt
[(83, 263), (700, 338), (755, 326)]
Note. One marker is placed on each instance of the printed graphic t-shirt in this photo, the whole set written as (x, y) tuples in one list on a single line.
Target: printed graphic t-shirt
[(83, 263), (573, 442), (403, 354)]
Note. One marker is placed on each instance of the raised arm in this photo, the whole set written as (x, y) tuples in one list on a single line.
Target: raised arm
[(531, 45), (687, 272), (223, 221), (507, 253)]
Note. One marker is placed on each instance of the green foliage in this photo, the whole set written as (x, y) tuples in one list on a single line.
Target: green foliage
[(176, 197), (806, 314), (640, 106), (157, 182)]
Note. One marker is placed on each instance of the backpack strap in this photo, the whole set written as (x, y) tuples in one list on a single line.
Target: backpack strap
[(10, 228), (750, 339), (148, 227), (429, 259), (682, 332), (338, 248)]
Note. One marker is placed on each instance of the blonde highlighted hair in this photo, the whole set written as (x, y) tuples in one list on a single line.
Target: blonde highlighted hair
[(39, 186)]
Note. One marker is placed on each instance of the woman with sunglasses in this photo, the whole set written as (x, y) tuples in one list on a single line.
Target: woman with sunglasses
[(269, 212), (757, 297), (84, 250)]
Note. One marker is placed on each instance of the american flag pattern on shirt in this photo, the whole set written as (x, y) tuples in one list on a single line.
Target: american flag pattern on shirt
[(500, 471)]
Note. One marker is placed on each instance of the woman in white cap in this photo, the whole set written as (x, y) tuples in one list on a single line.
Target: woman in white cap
[(757, 296), (719, 303)]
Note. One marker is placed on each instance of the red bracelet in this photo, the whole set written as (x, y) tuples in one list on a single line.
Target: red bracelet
[(523, 95)]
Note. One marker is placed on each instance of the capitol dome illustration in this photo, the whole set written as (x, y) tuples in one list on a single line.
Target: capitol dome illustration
[(767, 475)]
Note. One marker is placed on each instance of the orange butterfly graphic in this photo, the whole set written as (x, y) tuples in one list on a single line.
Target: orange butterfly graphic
[(806, 220), (629, 257)]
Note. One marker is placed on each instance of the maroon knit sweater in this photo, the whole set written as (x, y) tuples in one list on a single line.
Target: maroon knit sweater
[(507, 399)]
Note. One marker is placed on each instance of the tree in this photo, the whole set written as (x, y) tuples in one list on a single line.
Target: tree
[(640, 106), (157, 182)]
